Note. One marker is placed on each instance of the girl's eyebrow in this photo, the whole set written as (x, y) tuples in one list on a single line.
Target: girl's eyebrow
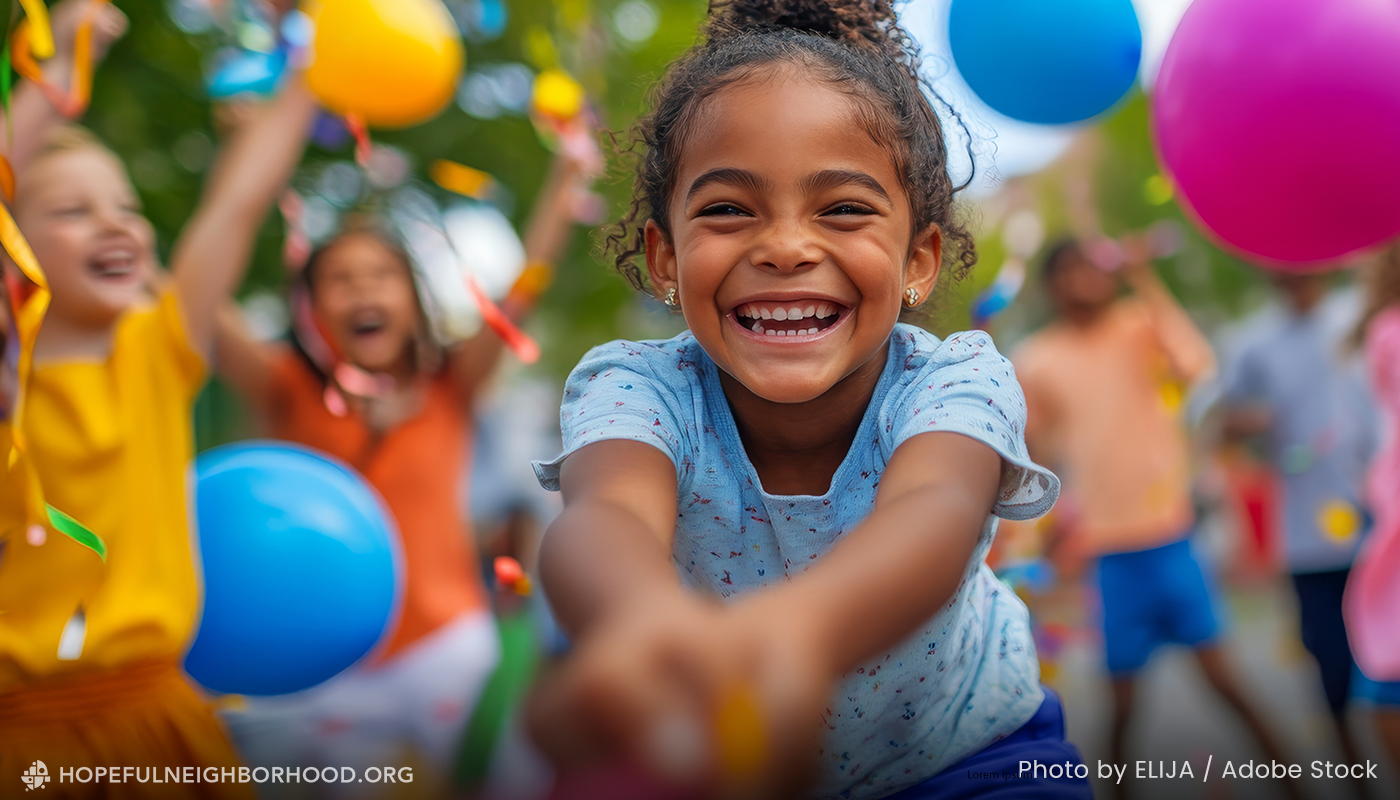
[(831, 178), (729, 175)]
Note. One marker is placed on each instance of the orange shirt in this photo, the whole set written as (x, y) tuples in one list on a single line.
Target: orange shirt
[(417, 466), (1103, 408)]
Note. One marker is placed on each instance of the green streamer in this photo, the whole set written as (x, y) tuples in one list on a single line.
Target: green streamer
[(74, 530)]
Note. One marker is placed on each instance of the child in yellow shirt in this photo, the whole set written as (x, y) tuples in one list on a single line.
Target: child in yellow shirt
[(90, 650)]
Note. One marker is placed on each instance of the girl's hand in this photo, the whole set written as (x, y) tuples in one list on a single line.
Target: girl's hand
[(720, 700)]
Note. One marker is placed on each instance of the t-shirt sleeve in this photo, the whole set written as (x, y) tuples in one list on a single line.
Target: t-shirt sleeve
[(618, 392), (965, 386), (159, 334)]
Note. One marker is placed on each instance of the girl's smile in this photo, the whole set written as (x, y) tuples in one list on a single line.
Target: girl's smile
[(791, 237), (789, 320)]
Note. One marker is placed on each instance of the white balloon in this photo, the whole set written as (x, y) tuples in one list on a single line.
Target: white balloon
[(471, 239)]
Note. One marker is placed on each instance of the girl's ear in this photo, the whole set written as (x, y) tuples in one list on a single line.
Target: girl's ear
[(661, 258), (925, 262)]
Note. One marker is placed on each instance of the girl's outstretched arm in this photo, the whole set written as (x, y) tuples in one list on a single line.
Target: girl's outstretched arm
[(611, 546), (654, 664), (546, 235), (902, 563), (213, 251)]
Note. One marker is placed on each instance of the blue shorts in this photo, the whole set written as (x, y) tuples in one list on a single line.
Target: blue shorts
[(1150, 598), (994, 771), (1376, 693)]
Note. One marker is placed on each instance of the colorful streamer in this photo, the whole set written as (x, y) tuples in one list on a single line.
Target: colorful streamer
[(461, 179), (25, 48), (517, 340), (27, 305)]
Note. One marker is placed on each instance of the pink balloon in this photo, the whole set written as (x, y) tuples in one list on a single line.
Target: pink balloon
[(1279, 121)]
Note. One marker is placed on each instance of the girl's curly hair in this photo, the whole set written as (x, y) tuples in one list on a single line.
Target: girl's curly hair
[(855, 45)]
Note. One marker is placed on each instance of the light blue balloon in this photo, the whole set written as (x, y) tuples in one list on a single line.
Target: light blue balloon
[(1046, 61), (247, 72), (301, 571)]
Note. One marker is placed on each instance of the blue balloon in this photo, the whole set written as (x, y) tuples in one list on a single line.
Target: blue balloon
[(301, 570), (1046, 61)]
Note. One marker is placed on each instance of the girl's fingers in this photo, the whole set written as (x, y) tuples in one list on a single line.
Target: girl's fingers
[(618, 705)]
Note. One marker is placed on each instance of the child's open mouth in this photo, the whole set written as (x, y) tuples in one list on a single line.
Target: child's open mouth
[(367, 324), (788, 318), (113, 265)]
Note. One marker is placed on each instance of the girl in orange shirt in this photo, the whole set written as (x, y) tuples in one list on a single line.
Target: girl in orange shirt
[(410, 439)]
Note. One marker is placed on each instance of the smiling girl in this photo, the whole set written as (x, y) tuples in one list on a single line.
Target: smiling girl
[(771, 553)]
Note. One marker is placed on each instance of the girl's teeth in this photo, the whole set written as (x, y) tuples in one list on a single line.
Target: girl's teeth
[(780, 313), (764, 313), (809, 311), (770, 332), (795, 313), (823, 310)]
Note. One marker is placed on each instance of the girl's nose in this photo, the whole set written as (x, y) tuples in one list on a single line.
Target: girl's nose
[(787, 247)]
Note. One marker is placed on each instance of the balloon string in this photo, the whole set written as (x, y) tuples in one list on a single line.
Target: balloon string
[(364, 148), (517, 340)]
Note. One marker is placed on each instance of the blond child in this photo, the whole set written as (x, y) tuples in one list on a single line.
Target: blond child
[(90, 650)]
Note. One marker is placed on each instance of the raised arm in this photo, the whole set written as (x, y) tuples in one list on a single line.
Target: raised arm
[(1188, 352), (242, 361), (213, 251), (551, 221), (31, 115)]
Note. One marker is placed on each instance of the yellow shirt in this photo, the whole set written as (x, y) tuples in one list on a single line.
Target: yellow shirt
[(111, 442), (1104, 409)]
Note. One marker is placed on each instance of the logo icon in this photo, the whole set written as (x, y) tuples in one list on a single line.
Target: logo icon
[(35, 777)]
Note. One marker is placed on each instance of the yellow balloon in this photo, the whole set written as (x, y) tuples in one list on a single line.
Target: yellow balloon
[(393, 63), (557, 95)]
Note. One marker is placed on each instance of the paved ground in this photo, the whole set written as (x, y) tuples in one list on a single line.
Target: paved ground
[(1180, 719)]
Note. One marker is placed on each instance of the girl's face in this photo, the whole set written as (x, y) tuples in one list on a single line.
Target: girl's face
[(363, 294), (790, 243), (84, 223)]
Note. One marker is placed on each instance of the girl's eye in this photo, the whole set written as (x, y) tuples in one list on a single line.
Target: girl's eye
[(70, 211), (722, 210), (849, 209)]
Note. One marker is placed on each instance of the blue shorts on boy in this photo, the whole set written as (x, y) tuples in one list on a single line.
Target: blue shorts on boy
[(1150, 598), (969, 675)]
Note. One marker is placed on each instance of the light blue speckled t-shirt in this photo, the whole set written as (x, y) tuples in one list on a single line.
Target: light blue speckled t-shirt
[(969, 675)]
